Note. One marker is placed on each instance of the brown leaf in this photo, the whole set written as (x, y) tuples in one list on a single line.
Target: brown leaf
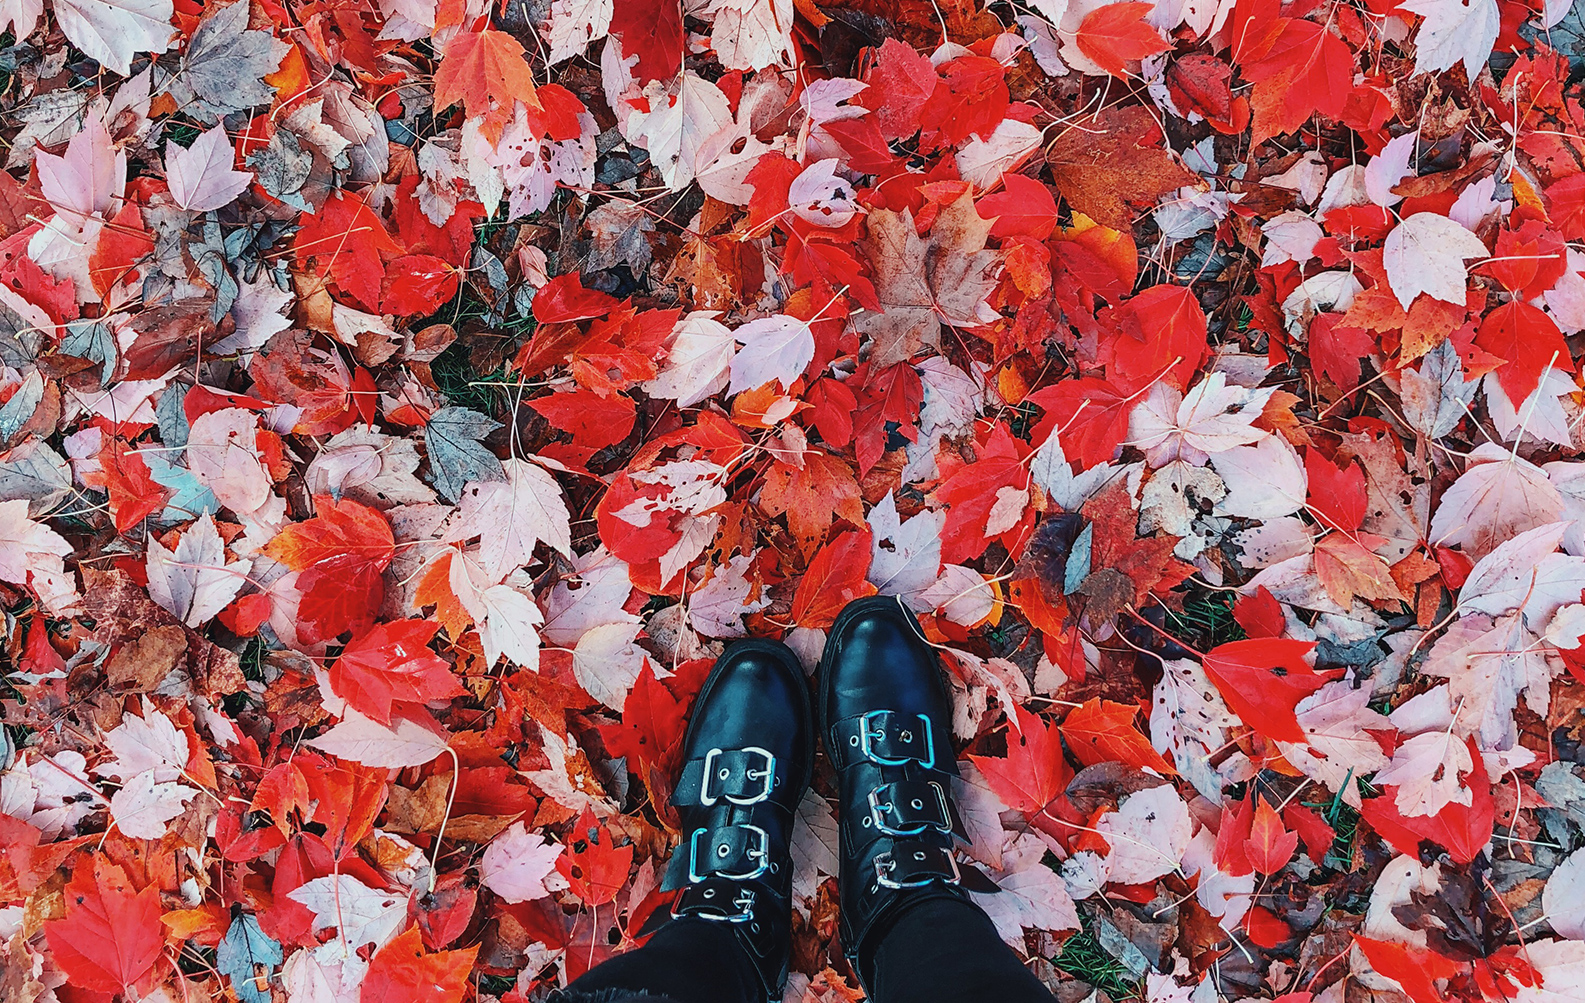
[(122, 611), (140, 664), (922, 282), (1346, 570), (1114, 159)]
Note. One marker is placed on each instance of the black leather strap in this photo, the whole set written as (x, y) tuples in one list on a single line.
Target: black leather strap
[(739, 776), (887, 738)]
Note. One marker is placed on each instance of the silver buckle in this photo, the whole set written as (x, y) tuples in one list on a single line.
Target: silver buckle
[(762, 854), (744, 903), (884, 865), (867, 735), (878, 812), (769, 777)]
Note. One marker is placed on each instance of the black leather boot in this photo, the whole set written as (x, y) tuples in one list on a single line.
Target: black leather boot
[(749, 753), (885, 717)]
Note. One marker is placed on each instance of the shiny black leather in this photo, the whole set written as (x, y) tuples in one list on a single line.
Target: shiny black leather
[(734, 865), (885, 715)]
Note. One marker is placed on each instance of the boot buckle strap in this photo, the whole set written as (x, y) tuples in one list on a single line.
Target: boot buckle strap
[(886, 740), (721, 781), (709, 902), (730, 849), (914, 865), (908, 808)]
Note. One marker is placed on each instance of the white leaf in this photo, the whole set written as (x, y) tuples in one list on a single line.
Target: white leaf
[(360, 914), (113, 33), (148, 744), (961, 594), (752, 34), (1569, 479), (1498, 497), (1563, 898), (143, 807), (982, 162), (258, 313), (774, 348), (369, 466), (90, 177), (324, 974), (594, 596), (1454, 30), (572, 793), (506, 626), (1561, 964), (1212, 418), (1488, 664), (905, 557), (697, 361), (194, 582), (509, 517), (680, 122), (1525, 573), (607, 662), (1389, 167), (981, 809), (1264, 481), (814, 845), (1338, 749), (516, 863), (1032, 895), (717, 608), (1290, 236), (201, 177), (817, 195), (574, 24), (31, 550), (1425, 254), (1067, 490), (222, 452), (1148, 835), (1425, 769), (405, 743)]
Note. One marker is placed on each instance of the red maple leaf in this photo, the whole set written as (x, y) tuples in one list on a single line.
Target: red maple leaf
[(1269, 846), (1102, 731), (400, 972), (970, 492), (392, 663), (351, 238), (1117, 34), (1528, 341), (111, 936), (834, 579), (342, 553), (1263, 679), (595, 869), (1034, 773), (488, 72)]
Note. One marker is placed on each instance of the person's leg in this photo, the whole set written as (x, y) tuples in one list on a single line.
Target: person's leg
[(946, 951), (748, 753), (689, 960)]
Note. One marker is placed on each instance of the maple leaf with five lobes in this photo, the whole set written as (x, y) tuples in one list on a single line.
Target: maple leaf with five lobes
[(1212, 418), (489, 73), (1426, 769), (511, 517), (201, 177), (111, 936)]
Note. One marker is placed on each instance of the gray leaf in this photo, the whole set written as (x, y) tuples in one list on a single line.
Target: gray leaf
[(223, 66), (91, 339), (455, 453), (35, 472), (244, 950)]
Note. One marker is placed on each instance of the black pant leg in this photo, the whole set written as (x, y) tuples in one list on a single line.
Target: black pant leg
[(689, 960), (947, 951)]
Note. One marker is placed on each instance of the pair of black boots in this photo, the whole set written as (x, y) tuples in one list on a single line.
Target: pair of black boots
[(884, 714)]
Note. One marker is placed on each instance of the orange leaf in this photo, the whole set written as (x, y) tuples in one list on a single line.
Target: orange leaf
[(1117, 34), (487, 72), (834, 579), (1269, 846), (1102, 731), (402, 973)]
